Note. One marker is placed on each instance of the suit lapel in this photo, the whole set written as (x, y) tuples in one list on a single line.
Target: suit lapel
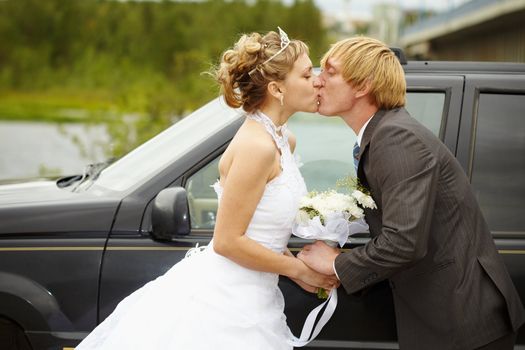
[(373, 217), (369, 131), (365, 141)]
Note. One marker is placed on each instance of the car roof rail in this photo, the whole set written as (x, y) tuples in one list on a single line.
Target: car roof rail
[(399, 54)]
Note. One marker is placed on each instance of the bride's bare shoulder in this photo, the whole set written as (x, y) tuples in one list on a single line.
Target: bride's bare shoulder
[(253, 137), (250, 147)]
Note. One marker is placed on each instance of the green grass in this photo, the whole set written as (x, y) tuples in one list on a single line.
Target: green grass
[(56, 106)]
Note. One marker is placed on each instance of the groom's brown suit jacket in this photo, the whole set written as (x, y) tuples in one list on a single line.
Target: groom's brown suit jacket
[(429, 239)]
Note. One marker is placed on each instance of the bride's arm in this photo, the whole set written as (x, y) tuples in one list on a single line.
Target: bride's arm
[(300, 283), (243, 186)]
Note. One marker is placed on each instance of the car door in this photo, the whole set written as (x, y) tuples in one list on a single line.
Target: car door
[(323, 148), (491, 149)]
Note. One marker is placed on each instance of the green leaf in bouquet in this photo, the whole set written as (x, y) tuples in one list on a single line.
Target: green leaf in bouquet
[(351, 183), (321, 293)]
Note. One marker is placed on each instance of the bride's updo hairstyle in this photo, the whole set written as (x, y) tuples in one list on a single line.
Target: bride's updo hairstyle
[(246, 69)]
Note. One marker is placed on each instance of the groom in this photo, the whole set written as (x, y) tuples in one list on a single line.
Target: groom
[(428, 237)]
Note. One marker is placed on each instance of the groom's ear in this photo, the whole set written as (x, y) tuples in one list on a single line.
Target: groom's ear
[(364, 90)]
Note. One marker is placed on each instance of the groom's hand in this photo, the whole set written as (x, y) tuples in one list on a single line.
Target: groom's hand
[(320, 257)]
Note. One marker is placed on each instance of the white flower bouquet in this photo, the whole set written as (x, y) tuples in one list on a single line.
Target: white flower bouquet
[(332, 216)]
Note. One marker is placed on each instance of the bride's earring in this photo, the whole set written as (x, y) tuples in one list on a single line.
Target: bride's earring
[(282, 100)]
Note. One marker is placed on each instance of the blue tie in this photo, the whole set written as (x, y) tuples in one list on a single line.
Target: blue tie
[(356, 153)]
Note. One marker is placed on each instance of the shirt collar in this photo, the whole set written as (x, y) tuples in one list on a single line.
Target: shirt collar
[(362, 130)]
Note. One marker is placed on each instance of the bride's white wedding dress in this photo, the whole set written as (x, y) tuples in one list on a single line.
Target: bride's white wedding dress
[(207, 301)]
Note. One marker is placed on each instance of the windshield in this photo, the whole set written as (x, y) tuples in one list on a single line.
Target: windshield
[(154, 155)]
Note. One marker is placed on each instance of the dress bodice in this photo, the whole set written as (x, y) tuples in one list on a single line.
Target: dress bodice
[(271, 224)]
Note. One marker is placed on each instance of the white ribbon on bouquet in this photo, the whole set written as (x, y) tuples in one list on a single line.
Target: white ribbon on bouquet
[(306, 334)]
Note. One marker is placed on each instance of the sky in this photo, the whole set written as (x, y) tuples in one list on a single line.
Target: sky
[(363, 8)]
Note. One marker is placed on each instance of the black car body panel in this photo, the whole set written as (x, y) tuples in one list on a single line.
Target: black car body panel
[(44, 208)]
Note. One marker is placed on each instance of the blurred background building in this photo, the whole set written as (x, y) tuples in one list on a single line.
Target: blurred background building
[(478, 30), (474, 30), (387, 19)]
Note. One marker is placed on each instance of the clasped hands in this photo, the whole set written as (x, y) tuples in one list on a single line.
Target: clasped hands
[(320, 257)]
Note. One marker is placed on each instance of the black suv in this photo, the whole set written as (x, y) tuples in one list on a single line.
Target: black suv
[(71, 249)]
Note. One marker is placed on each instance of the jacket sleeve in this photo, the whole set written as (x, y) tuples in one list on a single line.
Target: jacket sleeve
[(406, 173)]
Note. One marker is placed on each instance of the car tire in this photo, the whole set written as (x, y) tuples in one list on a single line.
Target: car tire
[(12, 337)]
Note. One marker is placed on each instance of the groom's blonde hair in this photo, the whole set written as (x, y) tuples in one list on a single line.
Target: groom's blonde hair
[(367, 60)]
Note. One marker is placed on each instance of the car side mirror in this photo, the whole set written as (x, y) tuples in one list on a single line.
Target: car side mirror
[(170, 215)]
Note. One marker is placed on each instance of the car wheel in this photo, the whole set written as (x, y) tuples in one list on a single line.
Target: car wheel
[(12, 337)]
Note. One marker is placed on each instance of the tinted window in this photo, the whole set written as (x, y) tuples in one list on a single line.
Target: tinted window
[(427, 108), (323, 151), (498, 169), (324, 144), (202, 200)]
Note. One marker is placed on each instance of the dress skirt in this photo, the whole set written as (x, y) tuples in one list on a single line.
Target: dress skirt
[(205, 301)]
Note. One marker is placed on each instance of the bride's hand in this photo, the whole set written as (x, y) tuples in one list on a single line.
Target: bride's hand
[(314, 278), (305, 286)]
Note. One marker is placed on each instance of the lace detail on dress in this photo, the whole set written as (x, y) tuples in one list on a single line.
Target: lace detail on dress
[(217, 188), (280, 140), (290, 175)]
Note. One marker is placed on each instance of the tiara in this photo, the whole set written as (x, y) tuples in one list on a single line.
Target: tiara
[(284, 44)]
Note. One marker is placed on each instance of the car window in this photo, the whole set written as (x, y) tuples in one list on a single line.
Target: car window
[(323, 149), (317, 138), (324, 144), (323, 152), (202, 200), (499, 161), (427, 108)]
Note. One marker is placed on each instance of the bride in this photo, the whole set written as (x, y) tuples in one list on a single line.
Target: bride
[(226, 296)]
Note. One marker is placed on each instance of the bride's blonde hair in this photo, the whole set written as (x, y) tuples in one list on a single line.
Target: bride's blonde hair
[(246, 69)]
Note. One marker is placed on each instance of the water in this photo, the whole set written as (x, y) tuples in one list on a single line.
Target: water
[(35, 149)]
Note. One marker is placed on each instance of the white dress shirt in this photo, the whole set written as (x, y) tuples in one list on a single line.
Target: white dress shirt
[(362, 131)]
